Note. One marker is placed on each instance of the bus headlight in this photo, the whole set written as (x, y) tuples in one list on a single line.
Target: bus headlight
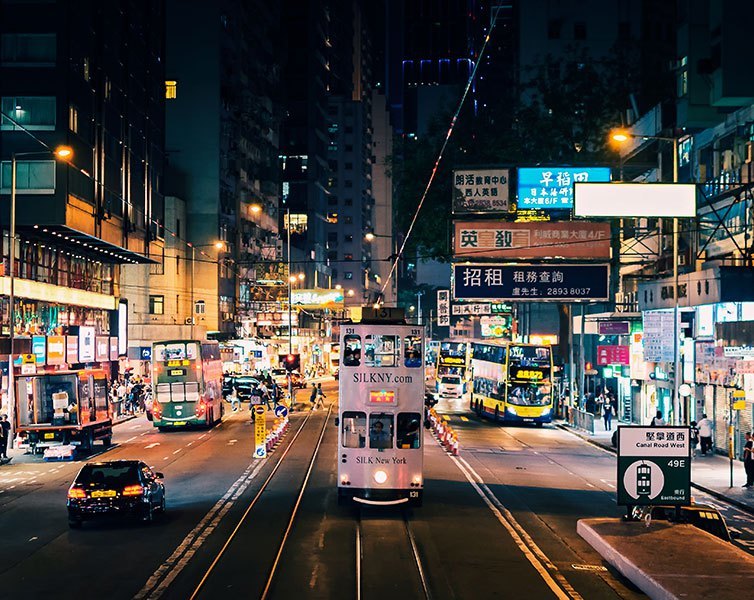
[(380, 476), (546, 411), (511, 410)]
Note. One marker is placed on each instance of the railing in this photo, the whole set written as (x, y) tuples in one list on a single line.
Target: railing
[(581, 419)]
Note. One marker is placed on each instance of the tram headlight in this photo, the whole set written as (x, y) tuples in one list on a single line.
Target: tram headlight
[(380, 476)]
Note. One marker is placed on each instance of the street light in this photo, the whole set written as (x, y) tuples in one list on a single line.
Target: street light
[(65, 154), (621, 136)]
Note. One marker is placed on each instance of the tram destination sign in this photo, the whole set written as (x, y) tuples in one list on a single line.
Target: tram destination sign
[(654, 466), (535, 283)]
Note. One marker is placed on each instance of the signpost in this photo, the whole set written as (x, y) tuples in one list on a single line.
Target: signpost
[(537, 283), (737, 398), (260, 433), (654, 466)]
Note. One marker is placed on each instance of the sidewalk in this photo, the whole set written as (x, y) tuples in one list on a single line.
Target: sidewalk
[(709, 473)]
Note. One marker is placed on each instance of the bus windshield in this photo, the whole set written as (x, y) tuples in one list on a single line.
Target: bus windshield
[(529, 394), (175, 351)]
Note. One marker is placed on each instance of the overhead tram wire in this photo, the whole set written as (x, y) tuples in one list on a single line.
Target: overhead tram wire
[(436, 166)]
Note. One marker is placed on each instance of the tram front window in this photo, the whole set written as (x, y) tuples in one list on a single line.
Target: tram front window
[(354, 429), (408, 430), (413, 351), (380, 431), (351, 350), (382, 350)]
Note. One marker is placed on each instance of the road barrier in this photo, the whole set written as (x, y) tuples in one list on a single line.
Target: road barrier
[(581, 419)]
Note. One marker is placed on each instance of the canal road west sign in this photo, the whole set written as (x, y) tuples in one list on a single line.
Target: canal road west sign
[(654, 466)]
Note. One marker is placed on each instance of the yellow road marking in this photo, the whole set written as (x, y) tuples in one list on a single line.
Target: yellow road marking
[(464, 418)]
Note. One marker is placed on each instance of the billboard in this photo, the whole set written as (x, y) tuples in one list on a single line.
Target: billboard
[(480, 190), (551, 188), (443, 308), (574, 239), (537, 283), (613, 355), (634, 200), (317, 298)]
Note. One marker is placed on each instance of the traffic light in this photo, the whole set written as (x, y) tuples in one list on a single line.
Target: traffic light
[(292, 362)]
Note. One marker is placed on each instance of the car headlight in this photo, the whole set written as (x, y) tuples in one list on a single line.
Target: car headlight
[(512, 410)]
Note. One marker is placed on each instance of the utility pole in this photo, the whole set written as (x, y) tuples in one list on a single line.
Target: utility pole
[(419, 295)]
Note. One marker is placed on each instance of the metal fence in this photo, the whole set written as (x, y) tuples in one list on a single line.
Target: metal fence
[(581, 419)]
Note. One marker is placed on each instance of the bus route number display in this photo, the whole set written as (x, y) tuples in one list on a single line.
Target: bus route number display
[(526, 374), (654, 466)]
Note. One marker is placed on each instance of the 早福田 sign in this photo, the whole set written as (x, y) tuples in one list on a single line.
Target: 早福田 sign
[(654, 466), (576, 239), (530, 282), (551, 188), (480, 191), (317, 298)]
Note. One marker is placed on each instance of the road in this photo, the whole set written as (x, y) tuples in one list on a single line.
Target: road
[(499, 520)]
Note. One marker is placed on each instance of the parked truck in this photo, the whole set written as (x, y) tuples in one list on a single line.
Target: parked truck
[(64, 408)]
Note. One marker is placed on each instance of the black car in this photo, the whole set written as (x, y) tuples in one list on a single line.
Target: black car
[(115, 488), (244, 385)]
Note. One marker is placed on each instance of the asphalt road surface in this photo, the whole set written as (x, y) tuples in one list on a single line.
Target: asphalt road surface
[(498, 521)]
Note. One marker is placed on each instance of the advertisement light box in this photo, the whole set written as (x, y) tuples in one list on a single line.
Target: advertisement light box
[(635, 200)]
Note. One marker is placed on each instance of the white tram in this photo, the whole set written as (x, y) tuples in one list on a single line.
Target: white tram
[(381, 412)]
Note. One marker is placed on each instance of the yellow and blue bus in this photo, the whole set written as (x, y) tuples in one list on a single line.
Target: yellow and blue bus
[(512, 383)]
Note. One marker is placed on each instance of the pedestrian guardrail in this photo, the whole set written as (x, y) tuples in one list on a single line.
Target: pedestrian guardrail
[(581, 419)]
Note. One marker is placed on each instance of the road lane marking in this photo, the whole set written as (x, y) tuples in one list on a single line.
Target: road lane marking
[(131, 439), (135, 427), (177, 451), (204, 435), (546, 569), (189, 444), (152, 445), (31, 539), (165, 458), (231, 442), (464, 418)]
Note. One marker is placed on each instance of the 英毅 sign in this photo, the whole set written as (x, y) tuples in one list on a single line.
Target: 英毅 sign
[(654, 466), (539, 283)]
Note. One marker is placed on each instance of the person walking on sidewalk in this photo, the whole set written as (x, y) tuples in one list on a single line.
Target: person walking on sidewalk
[(608, 407), (4, 436), (749, 460), (319, 400), (657, 420), (313, 396), (705, 434)]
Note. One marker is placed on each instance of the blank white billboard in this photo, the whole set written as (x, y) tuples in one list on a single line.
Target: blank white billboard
[(634, 200)]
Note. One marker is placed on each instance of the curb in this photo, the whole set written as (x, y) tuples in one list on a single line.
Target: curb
[(732, 501)]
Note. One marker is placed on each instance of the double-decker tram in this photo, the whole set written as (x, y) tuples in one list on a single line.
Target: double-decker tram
[(381, 412), (187, 378), (512, 383)]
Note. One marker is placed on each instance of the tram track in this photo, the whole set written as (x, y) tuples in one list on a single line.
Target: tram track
[(268, 582), (384, 543)]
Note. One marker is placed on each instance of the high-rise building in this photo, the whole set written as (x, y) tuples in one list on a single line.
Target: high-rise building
[(221, 145), (88, 75)]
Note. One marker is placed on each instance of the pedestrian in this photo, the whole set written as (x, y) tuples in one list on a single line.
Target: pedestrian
[(319, 400), (313, 396), (705, 434), (608, 409), (694, 437), (657, 420), (235, 403), (4, 436), (749, 460)]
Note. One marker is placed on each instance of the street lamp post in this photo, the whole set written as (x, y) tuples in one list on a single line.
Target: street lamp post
[(63, 153), (623, 136)]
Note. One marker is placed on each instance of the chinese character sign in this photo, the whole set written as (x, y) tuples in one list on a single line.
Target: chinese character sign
[(480, 191), (613, 355), (530, 282), (443, 308), (575, 239), (552, 187)]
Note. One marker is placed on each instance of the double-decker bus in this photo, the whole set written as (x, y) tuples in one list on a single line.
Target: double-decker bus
[(187, 379), (512, 383), (381, 412), (453, 359)]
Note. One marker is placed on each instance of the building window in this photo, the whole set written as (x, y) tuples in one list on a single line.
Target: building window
[(28, 49), (332, 238), (32, 177), (171, 91), (348, 202), (31, 112), (348, 257), (332, 217), (332, 255), (85, 69), (348, 239), (108, 88), (348, 220), (553, 29), (579, 30), (73, 118), (349, 166), (332, 200), (348, 275), (334, 273), (157, 305), (199, 307)]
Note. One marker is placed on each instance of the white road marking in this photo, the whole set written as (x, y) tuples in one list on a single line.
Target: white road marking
[(189, 444), (131, 439), (204, 435), (177, 451), (546, 569), (135, 427), (231, 442), (165, 458), (33, 538), (145, 433), (169, 570), (152, 445)]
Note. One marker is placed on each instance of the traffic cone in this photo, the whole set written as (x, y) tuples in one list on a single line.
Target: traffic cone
[(454, 445)]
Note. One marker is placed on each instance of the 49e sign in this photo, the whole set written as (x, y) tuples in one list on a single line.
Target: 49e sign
[(654, 466)]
